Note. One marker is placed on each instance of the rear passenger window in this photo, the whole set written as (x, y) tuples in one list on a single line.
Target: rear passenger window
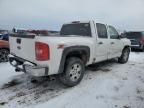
[(101, 30)]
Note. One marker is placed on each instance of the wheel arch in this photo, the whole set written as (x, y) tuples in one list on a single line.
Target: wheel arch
[(82, 52), (126, 46)]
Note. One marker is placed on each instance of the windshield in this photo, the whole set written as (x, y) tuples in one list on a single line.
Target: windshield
[(133, 35), (81, 29)]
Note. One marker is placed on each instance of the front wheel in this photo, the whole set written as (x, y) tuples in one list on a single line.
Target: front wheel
[(4, 55), (125, 56), (73, 72)]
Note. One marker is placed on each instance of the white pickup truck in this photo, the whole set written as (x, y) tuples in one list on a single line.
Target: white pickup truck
[(78, 45)]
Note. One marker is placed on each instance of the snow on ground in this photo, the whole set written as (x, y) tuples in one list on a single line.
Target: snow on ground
[(105, 85), (6, 73)]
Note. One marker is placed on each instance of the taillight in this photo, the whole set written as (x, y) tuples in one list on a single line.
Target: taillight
[(42, 51)]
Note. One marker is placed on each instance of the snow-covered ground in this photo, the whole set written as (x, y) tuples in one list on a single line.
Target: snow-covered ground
[(105, 85)]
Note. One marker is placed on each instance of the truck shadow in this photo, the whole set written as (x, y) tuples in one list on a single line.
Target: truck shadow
[(24, 93)]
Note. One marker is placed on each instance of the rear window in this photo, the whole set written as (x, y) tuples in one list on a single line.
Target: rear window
[(134, 35), (81, 29)]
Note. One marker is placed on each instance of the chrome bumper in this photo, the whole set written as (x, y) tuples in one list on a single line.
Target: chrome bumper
[(27, 67)]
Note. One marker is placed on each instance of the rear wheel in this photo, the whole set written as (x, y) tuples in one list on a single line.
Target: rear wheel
[(4, 55), (73, 72), (125, 56)]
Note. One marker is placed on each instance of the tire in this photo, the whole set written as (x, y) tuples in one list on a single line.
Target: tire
[(73, 72), (4, 55), (125, 56)]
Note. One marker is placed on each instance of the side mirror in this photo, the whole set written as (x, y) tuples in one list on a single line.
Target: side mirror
[(122, 36)]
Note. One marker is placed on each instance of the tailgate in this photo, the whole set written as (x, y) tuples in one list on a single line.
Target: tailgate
[(23, 46)]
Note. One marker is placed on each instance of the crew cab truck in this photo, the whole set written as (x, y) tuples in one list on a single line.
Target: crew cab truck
[(79, 44)]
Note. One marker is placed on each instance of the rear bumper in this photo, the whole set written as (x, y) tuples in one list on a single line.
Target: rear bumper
[(28, 67)]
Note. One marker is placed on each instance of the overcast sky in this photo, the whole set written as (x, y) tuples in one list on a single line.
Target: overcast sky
[(51, 14)]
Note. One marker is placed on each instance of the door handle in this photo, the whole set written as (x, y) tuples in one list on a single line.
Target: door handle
[(100, 43), (112, 43)]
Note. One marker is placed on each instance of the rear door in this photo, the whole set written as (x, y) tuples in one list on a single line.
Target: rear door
[(115, 43), (102, 43)]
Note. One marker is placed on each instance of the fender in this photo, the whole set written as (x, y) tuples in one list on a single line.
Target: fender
[(69, 50)]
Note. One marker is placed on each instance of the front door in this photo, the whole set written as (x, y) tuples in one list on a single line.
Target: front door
[(116, 45)]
